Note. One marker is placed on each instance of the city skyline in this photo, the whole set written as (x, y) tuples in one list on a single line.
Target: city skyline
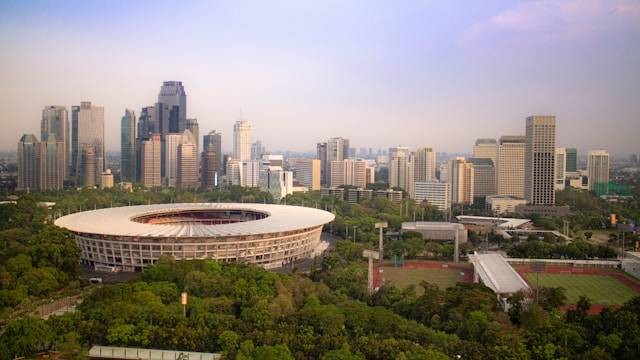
[(420, 74)]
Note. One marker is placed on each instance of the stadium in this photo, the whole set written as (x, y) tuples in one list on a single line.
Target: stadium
[(133, 237)]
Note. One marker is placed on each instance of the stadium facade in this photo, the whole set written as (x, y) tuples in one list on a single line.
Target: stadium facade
[(133, 237)]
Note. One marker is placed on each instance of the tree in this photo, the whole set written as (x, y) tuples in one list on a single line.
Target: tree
[(25, 337)]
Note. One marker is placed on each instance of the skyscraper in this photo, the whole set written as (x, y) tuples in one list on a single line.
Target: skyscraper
[(28, 162), (209, 167), (87, 174), (424, 164), (510, 166), (55, 121), (257, 150), (598, 170), (401, 169), (486, 149), (560, 173), (242, 140), (128, 146), (192, 125), (349, 172), (540, 160), (335, 149), (572, 160), (88, 131), (321, 151), (215, 139), (308, 173), (50, 160), (173, 116), (151, 156), (187, 161), (170, 159), (484, 177), (461, 181)]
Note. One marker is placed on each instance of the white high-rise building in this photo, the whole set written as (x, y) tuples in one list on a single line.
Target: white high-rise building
[(242, 140), (436, 193), (151, 155), (561, 168), (55, 121), (486, 149), (401, 169), (461, 179), (250, 173), (540, 157), (187, 161), (424, 164), (171, 144), (510, 166), (598, 169)]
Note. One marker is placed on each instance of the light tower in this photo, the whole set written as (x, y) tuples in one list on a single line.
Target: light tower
[(371, 255), (381, 226)]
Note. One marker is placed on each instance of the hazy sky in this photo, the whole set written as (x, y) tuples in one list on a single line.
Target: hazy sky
[(436, 73)]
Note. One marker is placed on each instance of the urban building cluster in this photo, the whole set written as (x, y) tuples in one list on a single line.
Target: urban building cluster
[(161, 147)]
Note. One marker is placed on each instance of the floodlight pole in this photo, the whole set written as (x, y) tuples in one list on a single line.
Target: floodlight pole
[(370, 255), (381, 226)]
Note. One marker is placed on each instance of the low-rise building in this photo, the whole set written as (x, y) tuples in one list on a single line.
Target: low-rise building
[(503, 204), (437, 231)]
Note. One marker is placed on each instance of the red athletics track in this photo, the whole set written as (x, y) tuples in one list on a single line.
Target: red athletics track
[(614, 273), (426, 264)]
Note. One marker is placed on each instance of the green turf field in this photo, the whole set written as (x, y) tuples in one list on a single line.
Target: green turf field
[(600, 289), (401, 278)]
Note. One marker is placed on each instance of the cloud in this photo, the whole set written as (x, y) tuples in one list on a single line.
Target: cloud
[(559, 18)]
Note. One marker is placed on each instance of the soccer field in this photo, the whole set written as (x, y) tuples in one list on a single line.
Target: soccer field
[(443, 277), (600, 289)]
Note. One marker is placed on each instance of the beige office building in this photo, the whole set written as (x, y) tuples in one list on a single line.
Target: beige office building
[(242, 140), (461, 179), (424, 164), (187, 162), (486, 149), (151, 160), (401, 169), (308, 173), (349, 172), (539, 169), (597, 168), (510, 166), (484, 175)]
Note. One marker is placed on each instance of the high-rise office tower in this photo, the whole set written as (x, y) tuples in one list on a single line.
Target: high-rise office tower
[(461, 180), (172, 116), (321, 150), (147, 123), (242, 140), (308, 173), (87, 122), (187, 161), (128, 146), (215, 139), (192, 125), (510, 166), (51, 163), (250, 171), (151, 155), (486, 149), (540, 156), (257, 150), (572, 160), (484, 177), (87, 173), (55, 121), (598, 170), (401, 168), (561, 170), (233, 172), (28, 162), (209, 164), (349, 172), (424, 164), (170, 159)]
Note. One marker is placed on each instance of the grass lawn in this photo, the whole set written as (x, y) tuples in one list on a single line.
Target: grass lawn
[(600, 289), (401, 278)]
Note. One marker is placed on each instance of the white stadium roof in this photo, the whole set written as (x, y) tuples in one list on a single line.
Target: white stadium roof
[(118, 221)]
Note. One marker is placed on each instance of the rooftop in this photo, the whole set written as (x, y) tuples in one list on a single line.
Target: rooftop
[(501, 223)]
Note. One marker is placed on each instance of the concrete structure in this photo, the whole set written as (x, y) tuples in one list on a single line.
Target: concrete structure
[(308, 173), (560, 169), (631, 263), (598, 169), (124, 353), (150, 165), (486, 149), (394, 196), (434, 192), (55, 122), (484, 178), (437, 231), (28, 166), (542, 210), (503, 204), (209, 168), (496, 222), (461, 178), (128, 146), (87, 122), (424, 164), (510, 166), (133, 237), (106, 179), (357, 195), (494, 271), (539, 167), (187, 161), (214, 139), (242, 140), (272, 160)]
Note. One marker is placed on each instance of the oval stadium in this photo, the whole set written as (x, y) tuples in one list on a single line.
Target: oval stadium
[(132, 237)]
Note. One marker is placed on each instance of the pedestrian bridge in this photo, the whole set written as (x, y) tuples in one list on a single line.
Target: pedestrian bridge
[(495, 272)]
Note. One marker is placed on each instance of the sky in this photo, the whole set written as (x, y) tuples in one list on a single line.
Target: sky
[(423, 73)]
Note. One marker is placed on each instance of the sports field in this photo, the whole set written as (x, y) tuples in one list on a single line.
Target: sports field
[(600, 289), (403, 277)]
